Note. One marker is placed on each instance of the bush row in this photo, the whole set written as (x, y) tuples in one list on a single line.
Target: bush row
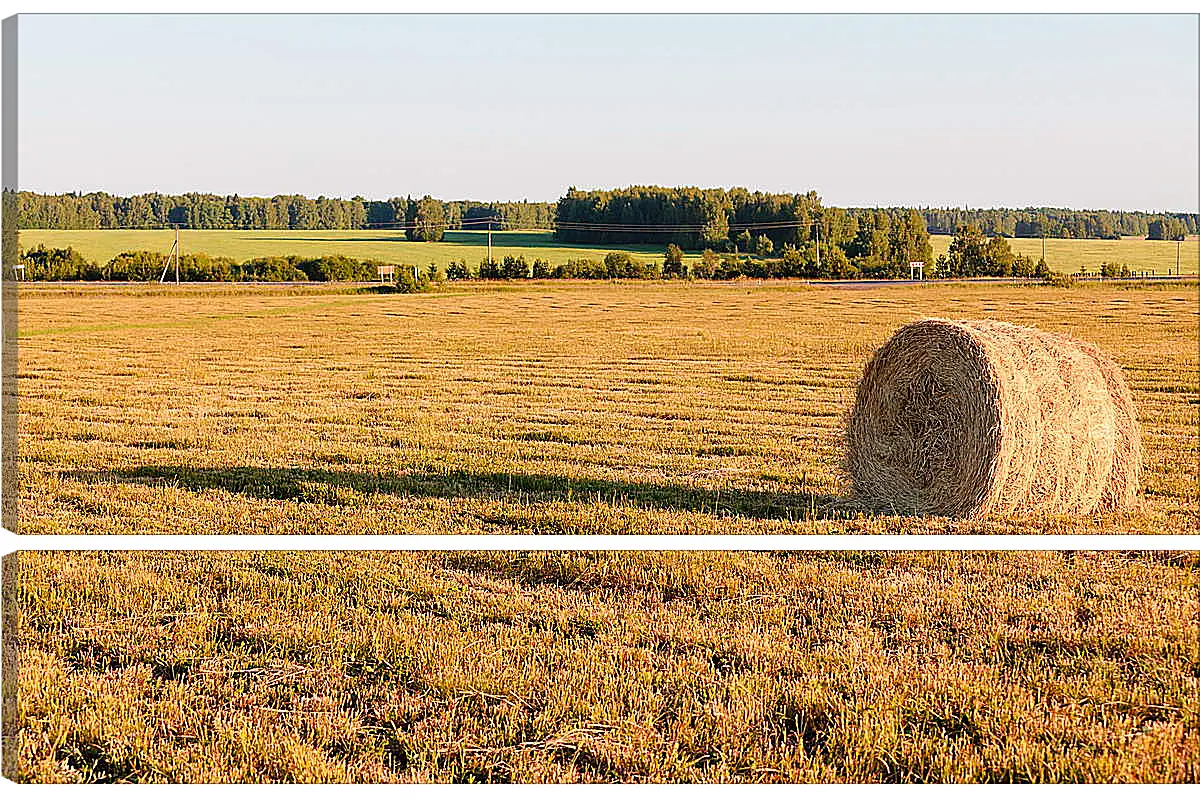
[(970, 256), (65, 264)]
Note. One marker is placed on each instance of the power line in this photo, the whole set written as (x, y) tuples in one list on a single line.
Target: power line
[(508, 224)]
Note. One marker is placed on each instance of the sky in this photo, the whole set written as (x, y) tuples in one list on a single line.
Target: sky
[(982, 111)]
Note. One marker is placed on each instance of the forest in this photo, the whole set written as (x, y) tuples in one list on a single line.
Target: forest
[(99, 210), (790, 226), (694, 218), (1061, 223), (688, 216)]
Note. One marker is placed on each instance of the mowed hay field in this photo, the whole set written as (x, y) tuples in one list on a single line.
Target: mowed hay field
[(646, 666), (581, 408)]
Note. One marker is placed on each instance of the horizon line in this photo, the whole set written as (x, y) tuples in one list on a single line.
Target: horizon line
[(411, 195)]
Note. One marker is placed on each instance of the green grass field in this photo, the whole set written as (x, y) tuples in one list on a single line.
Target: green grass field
[(593, 666), (1063, 255), (1073, 255), (389, 246)]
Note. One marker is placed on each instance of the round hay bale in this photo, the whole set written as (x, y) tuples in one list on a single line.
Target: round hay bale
[(1126, 476), (965, 419)]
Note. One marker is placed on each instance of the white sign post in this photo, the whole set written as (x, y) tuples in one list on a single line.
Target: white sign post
[(913, 267)]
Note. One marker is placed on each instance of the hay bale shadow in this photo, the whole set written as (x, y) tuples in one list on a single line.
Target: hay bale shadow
[(332, 487)]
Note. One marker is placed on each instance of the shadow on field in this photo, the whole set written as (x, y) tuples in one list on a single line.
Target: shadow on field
[(338, 239), (347, 488)]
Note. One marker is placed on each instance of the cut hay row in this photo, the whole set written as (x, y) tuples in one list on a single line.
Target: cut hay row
[(966, 419)]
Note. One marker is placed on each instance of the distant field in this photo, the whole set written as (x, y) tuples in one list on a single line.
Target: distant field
[(595, 666), (1063, 255), (1073, 255), (388, 246), (540, 407)]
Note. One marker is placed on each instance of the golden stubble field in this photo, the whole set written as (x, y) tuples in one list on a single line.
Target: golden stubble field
[(593, 666), (526, 408)]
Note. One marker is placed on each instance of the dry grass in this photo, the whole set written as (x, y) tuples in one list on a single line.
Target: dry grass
[(487, 666), (531, 408)]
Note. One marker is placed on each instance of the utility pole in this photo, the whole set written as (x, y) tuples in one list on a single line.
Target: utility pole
[(1178, 243), (489, 241), (818, 245), (172, 256)]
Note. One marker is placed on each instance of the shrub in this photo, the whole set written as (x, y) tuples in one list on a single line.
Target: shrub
[(514, 267), (673, 261), (338, 268), (708, 266), (1108, 270), (582, 268), (835, 264), (272, 268), (1061, 280), (620, 264), (1025, 267), (136, 265), (57, 264), (407, 283), (202, 267), (729, 267)]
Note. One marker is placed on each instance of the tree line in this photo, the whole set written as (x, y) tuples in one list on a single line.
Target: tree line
[(67, 264), (100, 210), (726, 220), (732, 220), (794, 231), (1061, 223)]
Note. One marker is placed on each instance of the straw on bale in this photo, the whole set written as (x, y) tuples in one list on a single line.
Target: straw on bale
[(965, 419)]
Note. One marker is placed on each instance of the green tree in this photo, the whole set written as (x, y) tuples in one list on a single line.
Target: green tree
[(972, 254), (835, 264), (1025, 267), (514, 268), (620, 264), (425, 220), (673, 260), (58, 264), (1166, 229), (489, 269), (709, 265)]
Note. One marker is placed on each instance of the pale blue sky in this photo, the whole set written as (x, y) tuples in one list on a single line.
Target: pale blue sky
[(1096, 111)]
